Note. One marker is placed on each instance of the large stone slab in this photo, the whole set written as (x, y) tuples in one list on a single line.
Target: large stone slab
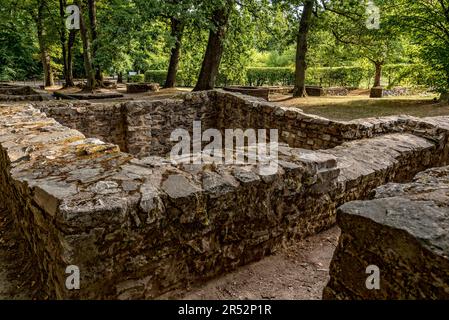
[(404, 231), (141, 227)]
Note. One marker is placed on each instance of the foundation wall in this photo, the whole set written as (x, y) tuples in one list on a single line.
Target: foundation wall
[(141, 228)]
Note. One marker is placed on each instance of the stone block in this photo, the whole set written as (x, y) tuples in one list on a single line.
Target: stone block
[(376, 92)]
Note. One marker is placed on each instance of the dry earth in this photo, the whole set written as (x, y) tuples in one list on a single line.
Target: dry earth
[(298, 272)]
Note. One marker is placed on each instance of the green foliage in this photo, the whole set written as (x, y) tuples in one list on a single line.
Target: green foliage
[(156, 76), (404, 74), (18, 44), (260, 45), (346, 76), (427, 23), (270, 76), (138, 78), (339, 76)]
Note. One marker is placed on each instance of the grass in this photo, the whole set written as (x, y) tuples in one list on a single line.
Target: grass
[(358, 107)]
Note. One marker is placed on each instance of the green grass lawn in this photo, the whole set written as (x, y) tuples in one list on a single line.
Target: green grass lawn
[(358, 107)]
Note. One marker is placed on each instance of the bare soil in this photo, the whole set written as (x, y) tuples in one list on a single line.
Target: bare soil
[(298, 272)]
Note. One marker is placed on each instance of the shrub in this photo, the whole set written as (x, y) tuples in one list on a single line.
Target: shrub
[(270, 76), (138, 78), (156, 76), (340, 76), (336, 77), (403, 74), (346, 76)]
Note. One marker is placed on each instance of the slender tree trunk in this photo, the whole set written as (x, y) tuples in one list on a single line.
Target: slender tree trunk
[(65, 45), (45, 55), (378, 75), (301, 50), (214, 51), (177, 30), (70, 44), (63, 35), (120, 77), (94, 34), (88, 67)]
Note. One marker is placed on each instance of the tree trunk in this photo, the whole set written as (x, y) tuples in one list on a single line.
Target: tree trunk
[(71, 42), (88, 67), (44, 54), (177, 29), (301, 50), (94, 34), (214, 51), (444, 97), (66, 47), (378, 75), (120, 77)]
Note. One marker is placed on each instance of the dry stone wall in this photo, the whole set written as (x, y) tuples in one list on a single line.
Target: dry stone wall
[(301, 130), (12, 93), (403, 231), (140, 227), (142, 128)]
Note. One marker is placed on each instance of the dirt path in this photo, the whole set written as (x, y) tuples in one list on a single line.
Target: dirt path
[(299, 272)]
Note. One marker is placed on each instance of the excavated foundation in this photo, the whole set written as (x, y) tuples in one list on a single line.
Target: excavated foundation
[(138, 226)]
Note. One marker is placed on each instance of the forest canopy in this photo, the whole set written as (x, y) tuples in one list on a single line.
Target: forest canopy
[(210, 43)]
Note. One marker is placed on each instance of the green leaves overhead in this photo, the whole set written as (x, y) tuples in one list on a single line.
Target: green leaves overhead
[(136, 35)]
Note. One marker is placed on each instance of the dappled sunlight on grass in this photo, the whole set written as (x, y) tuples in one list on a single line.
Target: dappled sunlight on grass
[(349, 108)]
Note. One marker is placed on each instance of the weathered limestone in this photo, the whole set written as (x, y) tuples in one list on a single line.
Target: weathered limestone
[(376, 92), (141, 87), (258, 92), (315, 91), (404, 232), (140, 227), (21, 93), (142, 128), (87, 96)]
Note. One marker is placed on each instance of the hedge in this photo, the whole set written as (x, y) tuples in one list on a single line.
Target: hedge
[(348, 76), (138, 78), (341, 76), (270, 76), (403, 74), (156, 76)]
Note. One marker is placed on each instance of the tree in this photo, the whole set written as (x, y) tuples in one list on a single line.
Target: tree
[(87, 47), (67, 44), (177, 31), (215, 46), (43, 46), (18, 46), (428, 23), (350, 24), (302, 47), (92, 5)]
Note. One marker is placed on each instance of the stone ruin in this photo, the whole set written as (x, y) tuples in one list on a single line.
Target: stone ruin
[(13, 93), (402, 229), (91, 185)]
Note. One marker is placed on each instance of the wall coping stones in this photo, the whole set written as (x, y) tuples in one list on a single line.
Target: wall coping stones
[(404, 231), (80, 201)]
